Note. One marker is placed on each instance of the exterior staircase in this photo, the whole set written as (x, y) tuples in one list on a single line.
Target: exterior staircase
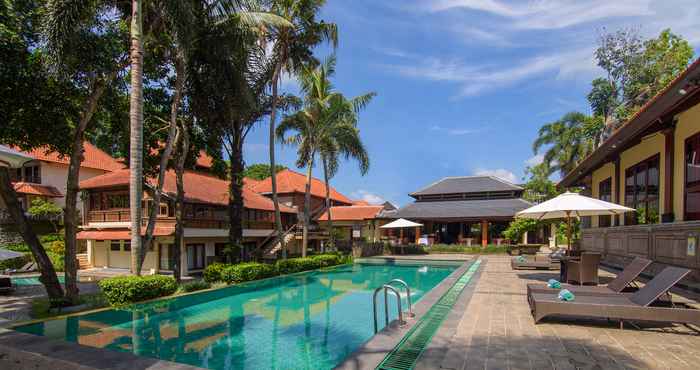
[(83, 262), (273, 247)]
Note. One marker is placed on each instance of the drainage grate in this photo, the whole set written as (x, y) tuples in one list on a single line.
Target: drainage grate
[(409, 349)]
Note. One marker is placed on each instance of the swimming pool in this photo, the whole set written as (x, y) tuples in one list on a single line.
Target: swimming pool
[(34, 280), (305, 321)]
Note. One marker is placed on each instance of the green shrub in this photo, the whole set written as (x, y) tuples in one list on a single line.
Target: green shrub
[(15, 263), (246, 272), (193, 286), (57, 260), (474, 249), (125, 290), (408, 249), (325, 260), (57, 247), (292, 265), (50, 238), (212, 273), (17, 247)]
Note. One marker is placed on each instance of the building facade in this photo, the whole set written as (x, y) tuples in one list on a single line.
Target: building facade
[(651, 164), (463, 210)]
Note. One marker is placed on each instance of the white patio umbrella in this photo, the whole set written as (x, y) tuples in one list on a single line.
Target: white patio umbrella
[(570, 205), (13, 158), (6, 254), (401, 223)]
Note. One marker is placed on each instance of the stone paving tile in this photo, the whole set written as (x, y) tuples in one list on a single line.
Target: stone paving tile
[(497, 332)]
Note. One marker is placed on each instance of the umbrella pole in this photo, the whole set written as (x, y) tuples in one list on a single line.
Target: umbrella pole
[(568, 230)]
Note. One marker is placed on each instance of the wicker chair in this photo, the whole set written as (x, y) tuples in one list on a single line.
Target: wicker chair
[(584, 271)]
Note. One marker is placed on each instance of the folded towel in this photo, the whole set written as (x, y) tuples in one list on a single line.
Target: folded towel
[(554, 284), (521, 259), (566, 295)]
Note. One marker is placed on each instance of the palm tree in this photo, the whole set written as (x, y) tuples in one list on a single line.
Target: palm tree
[(136, 133), (340, 137), (292, 47), (325, 126), (567, 143)]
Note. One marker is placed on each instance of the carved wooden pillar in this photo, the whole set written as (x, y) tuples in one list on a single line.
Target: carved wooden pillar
[(484, 233), (616, 220), (417, 234), (668, 215)]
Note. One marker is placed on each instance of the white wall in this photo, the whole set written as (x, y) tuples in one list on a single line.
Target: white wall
[(56, 175)]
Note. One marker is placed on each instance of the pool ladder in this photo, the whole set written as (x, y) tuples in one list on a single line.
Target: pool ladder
[(389, 288)]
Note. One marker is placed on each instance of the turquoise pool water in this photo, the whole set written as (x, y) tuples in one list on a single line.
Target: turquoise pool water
[(305, 321), (33, 280)]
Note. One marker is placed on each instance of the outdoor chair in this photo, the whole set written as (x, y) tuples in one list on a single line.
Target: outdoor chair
[(585, 270), (5, 284), (621, 306), (620, 283)]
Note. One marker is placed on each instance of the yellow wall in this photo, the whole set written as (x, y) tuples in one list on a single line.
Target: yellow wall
[(688, 125), (650, 146), (599, 175)]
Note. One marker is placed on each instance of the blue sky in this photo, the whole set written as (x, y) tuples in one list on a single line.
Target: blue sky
[(463, 85)]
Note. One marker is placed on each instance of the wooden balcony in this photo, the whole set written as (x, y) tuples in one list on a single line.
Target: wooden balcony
[(122, 215)]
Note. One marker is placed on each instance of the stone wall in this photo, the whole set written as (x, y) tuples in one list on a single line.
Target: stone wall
[(665, 244)]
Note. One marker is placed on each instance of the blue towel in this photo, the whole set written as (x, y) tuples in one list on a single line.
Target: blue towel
[(554, 284), (521, 259), (566, 295)]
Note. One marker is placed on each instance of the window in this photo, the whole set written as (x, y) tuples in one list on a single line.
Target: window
[(195, 256), (605, 193), (692, 178), (115, 245), (642, 192), (32, 174), (127, 245), (119, 200), (163, 210)]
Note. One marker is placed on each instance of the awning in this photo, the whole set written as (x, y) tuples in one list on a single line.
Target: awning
[(400, 223), (37, 189), (120, 234), (13, 158)]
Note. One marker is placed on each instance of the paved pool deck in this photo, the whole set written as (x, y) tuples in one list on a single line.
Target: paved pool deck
[(495, 330)]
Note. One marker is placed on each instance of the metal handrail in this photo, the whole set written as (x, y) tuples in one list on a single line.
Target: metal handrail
[(408, 294), (386, 289)]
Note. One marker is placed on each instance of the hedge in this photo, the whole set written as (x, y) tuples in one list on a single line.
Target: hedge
[(125, 290), (253, 271), (246, 272)]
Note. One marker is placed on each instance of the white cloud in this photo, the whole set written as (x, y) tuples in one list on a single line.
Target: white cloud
[(454, 131), (549, 14), (535, 160), (367, 196), (477, 79), (501, 173)]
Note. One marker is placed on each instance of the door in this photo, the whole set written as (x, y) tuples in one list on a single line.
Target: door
[(195, 256)]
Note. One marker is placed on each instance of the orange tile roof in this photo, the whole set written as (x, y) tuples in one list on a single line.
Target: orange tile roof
[(359, 202), (250, 183), (199, 188), (37, 189), (204, 160), (93, 158), (289, 181), (351, 213)]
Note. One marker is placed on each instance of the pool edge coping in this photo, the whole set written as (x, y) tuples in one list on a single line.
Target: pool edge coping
[(372, 352)]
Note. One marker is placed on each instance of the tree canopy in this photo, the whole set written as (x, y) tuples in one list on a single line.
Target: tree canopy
[(261, 171)]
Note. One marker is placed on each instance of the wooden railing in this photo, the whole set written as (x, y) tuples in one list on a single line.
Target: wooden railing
[(122, 215)]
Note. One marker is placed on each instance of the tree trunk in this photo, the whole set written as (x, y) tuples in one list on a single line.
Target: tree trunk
[(235, 199), (48, 275), (136, 134), (184, 143), (307, 208), (273, 170), (164, 159), (70, 213), (328, 203)]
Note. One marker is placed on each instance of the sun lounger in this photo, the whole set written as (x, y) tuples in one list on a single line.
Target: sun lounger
[(617, 285), (623, 307), (540, 261), (5, 284), (28, 267)]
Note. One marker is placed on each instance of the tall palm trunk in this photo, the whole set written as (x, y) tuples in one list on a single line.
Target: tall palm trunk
[(48, 274), (136, 134), (235, 202), (70, 213), (273, 170), (328, 202), (307, 208), (184, 142), (164, 159)]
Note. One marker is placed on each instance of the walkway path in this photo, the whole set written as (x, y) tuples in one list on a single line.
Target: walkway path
[(497, 332)]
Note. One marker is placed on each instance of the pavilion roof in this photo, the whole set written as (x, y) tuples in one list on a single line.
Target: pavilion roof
[(463, 209)]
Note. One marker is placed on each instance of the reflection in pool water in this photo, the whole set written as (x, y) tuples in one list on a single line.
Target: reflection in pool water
[(311, 320)]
